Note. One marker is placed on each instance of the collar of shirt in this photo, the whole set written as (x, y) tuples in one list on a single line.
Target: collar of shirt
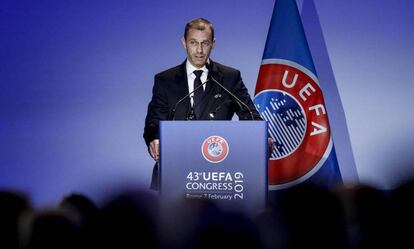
[(191, 77)]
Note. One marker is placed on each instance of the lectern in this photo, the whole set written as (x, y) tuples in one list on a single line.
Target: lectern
[(222, 161)]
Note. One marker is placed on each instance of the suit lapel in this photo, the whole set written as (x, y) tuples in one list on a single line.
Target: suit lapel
[(217, 75)]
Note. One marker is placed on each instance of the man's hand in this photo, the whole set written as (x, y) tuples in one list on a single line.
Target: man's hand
[(270, 145), (154, 149)]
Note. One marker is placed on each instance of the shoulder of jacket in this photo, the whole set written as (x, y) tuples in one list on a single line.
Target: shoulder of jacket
[(226, 69), (170, 72)]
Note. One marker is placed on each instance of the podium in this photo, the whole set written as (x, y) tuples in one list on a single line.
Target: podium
[(221, 161)]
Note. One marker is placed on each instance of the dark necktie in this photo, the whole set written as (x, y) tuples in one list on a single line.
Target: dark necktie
[(198, 94)]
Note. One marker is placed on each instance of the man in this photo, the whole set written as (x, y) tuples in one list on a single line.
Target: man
[(172, 100)]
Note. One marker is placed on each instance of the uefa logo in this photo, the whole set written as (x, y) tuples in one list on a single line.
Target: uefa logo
[(290, 99), (215, 149)]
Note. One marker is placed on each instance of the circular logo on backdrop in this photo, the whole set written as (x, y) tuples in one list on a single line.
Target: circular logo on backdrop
[(215, 149), (289, 98), (288, 124)]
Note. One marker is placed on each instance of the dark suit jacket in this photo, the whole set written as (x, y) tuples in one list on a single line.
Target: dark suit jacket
[(172, 85)]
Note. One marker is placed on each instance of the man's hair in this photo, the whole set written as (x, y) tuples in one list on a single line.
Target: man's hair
[(199, 24)]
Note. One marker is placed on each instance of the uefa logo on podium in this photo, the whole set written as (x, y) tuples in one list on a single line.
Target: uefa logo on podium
[(215, 149)]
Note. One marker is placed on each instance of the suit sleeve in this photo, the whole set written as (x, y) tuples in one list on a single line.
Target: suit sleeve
[(157, 110), (241, 92)]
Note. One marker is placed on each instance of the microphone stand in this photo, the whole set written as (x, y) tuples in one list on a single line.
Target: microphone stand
[(182, 99), (213, 113), (235, 97)]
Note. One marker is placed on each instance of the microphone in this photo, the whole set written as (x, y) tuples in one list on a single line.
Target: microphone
[(238, 101), (191, 115)]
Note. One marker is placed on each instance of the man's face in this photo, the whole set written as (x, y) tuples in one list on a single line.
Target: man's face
[(198, 44)]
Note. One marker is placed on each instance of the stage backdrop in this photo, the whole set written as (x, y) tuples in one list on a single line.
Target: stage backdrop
[(76, 78)]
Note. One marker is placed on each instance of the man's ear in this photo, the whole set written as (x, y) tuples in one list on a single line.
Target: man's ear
[(214, 42), (183, 42)]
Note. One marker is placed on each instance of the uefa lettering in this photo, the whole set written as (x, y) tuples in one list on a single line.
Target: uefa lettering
[(288, 96)]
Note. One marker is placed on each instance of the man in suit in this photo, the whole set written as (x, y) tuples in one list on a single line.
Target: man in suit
[(198, 73)]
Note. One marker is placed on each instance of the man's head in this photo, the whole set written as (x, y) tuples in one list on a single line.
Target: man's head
[(198, 40)]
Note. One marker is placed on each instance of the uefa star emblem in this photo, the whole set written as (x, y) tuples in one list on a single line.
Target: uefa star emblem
[(215, 149)]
